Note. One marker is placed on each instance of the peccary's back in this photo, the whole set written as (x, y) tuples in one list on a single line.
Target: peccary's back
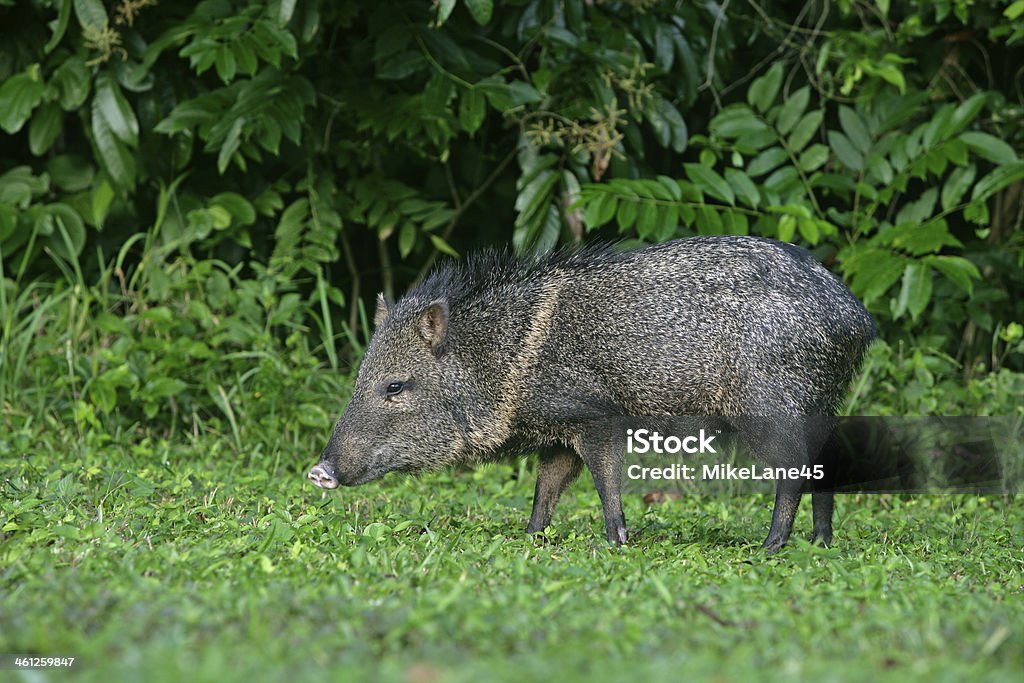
[(722, 325)]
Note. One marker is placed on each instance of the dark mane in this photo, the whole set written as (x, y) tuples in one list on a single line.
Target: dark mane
[(490, 269)]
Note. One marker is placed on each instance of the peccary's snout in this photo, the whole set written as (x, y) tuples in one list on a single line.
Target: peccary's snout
[(323, 476)]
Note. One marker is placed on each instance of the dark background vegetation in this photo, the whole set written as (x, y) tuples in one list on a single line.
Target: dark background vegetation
[(198, 202), (276, 164)]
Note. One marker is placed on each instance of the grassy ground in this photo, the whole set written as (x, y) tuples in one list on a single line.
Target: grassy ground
[(183, 560)]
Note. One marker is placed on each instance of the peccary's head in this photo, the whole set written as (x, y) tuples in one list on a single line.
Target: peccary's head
[(401, 415)]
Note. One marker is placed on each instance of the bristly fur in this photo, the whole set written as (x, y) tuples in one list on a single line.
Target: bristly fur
[(493, 268)]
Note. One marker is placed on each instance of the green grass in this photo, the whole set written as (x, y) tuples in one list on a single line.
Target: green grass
[(186, 560), (155, 523)]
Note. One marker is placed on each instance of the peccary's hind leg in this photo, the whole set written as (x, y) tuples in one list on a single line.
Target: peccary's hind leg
[(555, 471), (823, 502), (605, 463), (787, 499), (785, 442)]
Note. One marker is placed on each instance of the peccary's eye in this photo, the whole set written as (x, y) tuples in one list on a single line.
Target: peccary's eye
[(394, 388)]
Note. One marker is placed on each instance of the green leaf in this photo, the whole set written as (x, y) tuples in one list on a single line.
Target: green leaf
[(535, 195), (401, 65), (225, 64), (533, 164), (791, 110), (599, 210), (472, 109), (855, 130), (743, 186), (45, 127), (285, 11), (481, 10), (938, 128), (874, 271), (246, 58), (115, 110), (845, 151), (102, 196), (891, 74), (766, 161), (736, 120), (19, 95), (406, 239), (781, 179), (955, 151), (90, 13), (808, 228), (116, 159), (60, 26), (977, 212), (966, 112), (72, 80), (162, 387), (647, 219), (710, 221), (687, 65), (786, 228), (444, 10), (763, 90), (813, 158), (664, 47), (668, 124), (507, 96), (916, 291), (919, 239), (672, 187), (668, 222), (238, 206), (443, 246), (8, 222), (291, 225), (880, 168), (958, 269), (710, 182), (626, 215), (989, 147), (956, 185), (920, 210), (231, 143), (998, 179), (737, 223), (804, 130)]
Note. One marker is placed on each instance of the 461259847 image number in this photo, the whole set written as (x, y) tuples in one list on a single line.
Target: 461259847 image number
[(34, 662)]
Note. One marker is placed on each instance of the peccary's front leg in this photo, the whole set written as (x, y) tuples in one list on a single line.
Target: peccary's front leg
[(605, 463), (555, 471)]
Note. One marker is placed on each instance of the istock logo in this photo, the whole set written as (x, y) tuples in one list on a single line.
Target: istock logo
[(645, 441)]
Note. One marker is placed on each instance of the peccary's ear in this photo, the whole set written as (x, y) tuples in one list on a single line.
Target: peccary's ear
[(433, 324), (383, 310)]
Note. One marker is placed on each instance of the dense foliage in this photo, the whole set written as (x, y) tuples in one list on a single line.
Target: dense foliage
[(304, 155)]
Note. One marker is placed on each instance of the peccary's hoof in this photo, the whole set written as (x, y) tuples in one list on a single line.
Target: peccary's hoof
[(773, 544), (823, 539), (618, 536)]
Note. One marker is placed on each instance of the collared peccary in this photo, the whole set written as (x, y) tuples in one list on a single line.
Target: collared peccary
[(501, 356)]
